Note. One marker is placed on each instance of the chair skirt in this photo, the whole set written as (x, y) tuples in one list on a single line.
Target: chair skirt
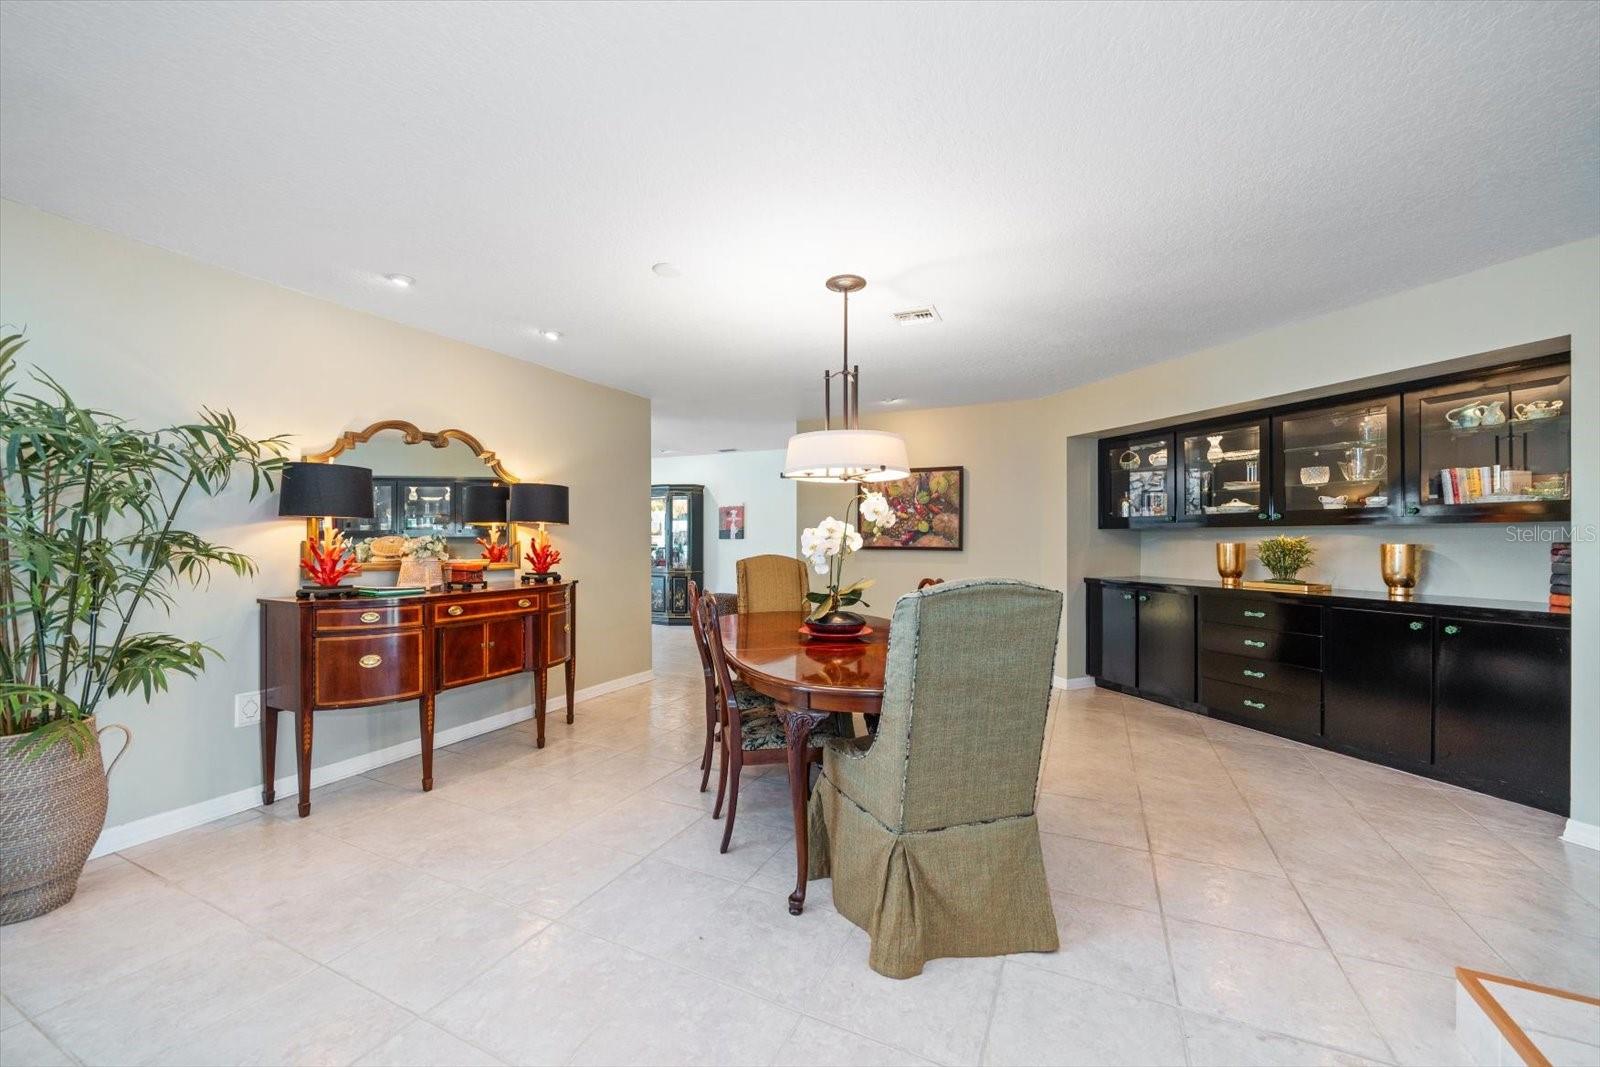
[(972, 890)]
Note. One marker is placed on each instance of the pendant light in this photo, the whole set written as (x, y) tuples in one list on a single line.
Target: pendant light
[(848, 454)]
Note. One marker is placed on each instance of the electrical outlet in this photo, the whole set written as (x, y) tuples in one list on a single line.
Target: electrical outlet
[(247, 709)]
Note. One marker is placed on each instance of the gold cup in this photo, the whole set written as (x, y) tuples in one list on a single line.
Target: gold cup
[(1230, 561), (1401, 564)]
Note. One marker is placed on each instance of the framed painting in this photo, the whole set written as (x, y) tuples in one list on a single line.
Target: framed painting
[(927, 510), (730, 522)]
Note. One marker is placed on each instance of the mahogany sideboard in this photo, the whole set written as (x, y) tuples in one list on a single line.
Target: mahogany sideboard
[(320, 655)]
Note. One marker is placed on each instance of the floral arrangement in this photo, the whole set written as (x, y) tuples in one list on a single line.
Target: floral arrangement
[(362, 550), (1285, 556), (495, 551), (426, 548), (826, 545), (331, 562)]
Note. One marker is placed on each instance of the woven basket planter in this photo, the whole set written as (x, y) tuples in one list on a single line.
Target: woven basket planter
[(52, 810)]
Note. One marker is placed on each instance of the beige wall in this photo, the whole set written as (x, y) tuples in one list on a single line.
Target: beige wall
[(1031, 511), (153, 336)]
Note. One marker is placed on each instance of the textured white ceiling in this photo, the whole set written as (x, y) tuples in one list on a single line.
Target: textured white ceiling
[(1079, 188)]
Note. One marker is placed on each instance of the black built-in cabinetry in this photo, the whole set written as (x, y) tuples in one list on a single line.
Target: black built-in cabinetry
[(1472, 692), (1488, 445)]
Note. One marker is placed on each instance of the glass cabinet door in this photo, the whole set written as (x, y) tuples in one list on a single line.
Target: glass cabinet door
[(1136, 481), (658, 537), (1500, 445), (1339, 463), (425, 508), (1220, 474), (680, 531), (382, 521)]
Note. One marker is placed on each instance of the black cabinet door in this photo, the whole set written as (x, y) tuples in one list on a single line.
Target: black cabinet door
[(1378, 683), (1166, 644), (1503, 709), (1119, 656)]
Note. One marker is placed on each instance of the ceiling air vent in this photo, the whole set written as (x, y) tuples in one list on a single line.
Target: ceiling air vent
[(917, 316)]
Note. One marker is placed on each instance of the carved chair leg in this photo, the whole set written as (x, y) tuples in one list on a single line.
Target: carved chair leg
[(722, 774), (735, 772)]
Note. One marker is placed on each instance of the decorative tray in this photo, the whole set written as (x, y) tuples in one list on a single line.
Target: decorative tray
[(836, 639)]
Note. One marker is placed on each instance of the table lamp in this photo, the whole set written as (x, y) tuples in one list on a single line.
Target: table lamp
[(319, 493), (485, 505), (540, 503)]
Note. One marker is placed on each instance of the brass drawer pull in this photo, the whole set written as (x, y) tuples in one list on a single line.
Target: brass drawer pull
[(1248, 673), (370, 660), (370, 616), (1255, 614), (1255, 644), (567, 629), (454, 609), (1258, 705), (523, 603)]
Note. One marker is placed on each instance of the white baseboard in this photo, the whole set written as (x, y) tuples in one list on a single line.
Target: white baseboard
[(1586, 834), (1081, 682), (137, 832)]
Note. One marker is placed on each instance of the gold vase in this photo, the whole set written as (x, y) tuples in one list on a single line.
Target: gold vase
[(1230, 561), (1401, 564)]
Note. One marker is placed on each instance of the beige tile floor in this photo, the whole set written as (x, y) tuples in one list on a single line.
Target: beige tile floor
[(1224, 898)]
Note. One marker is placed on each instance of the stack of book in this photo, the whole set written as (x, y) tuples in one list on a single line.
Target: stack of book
[(1463, 485), (1561, 575)]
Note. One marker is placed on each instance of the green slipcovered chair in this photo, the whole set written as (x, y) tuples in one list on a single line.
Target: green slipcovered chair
[(930, 834)]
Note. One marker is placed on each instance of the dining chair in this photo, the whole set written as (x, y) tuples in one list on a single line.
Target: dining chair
[(772, 583), (724, 602), (930, 835), (751, 730)]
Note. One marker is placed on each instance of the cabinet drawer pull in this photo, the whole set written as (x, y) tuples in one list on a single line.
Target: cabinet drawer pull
[(1143, 598), (1248, 673), (567, 629), (1416, 626), (1127, 596), (1255, 644), (370, 660), (1258, 705), (454, 609), (370, 616), (1254, 614), (523, 603), (1452, 629)]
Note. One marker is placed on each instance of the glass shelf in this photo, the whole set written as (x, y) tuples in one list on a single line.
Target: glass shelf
[(1338, 459)]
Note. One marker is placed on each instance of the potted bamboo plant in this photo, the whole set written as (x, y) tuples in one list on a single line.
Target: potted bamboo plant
[(90, 541)]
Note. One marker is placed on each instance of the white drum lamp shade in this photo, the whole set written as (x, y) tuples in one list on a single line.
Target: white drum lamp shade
[(846, 456)]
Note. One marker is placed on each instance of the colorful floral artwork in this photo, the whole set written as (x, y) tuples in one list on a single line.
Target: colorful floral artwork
[(927, 509)]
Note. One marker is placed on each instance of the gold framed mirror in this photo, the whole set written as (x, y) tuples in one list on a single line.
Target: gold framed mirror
[(421, 482)]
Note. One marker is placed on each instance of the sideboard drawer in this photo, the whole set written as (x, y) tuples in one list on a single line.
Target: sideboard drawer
[(368, 669), (482, 607), (1300, 650), (557, 599), (1264, 613), (1298, 682), (1276, 711), (333, 620)]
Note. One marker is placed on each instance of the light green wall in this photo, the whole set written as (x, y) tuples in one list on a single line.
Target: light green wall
[(153, 336)]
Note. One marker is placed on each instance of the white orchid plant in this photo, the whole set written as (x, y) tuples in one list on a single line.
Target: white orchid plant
[(826, 545)]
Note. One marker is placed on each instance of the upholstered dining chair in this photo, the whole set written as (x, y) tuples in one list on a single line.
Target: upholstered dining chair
[(930, 834), (725, 602), (751, 730), (772, 583)]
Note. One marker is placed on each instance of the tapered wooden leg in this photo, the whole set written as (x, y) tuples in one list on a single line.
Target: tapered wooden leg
[(722, 774), (269, 754), (541, 685), (735, 771), (425, 710), (571, 692), (711, 738), (304, 761), (797, 727)]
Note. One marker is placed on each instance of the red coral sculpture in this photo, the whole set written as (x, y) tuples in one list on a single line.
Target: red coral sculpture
[(543, 556), (495, 551), (330, 564)]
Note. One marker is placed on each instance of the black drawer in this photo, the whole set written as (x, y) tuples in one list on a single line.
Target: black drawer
[(1301, 683), (1261, 612), (1299, 650), (1274, 711)]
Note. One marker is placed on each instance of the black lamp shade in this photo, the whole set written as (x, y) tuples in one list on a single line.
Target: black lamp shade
[(484, 503), (325, 489), (537, 502)]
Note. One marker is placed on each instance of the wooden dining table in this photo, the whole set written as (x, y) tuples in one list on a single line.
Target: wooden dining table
[(808, 680)]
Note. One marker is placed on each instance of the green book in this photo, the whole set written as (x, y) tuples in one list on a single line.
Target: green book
[(390, 590)]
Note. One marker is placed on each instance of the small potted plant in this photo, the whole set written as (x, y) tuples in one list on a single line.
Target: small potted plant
[(1285, 556), (825, 546)]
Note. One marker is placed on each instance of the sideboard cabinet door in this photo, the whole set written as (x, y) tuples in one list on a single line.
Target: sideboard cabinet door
[(1502, 709), (1166, 644), (1379, 683), (1119, 634)]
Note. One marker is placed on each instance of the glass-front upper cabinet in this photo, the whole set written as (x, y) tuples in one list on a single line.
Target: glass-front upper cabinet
[(1221, 472), (658, 531), (1137, 481), (680, 532), (1496, 447), (426, 508), (1339, 463)]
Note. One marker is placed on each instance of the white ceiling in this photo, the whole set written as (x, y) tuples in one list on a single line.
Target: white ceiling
[(1078, 188)]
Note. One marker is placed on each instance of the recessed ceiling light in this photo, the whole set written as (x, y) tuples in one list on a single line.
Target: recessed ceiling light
[(400, 281), (550, 335), (666, 270)]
